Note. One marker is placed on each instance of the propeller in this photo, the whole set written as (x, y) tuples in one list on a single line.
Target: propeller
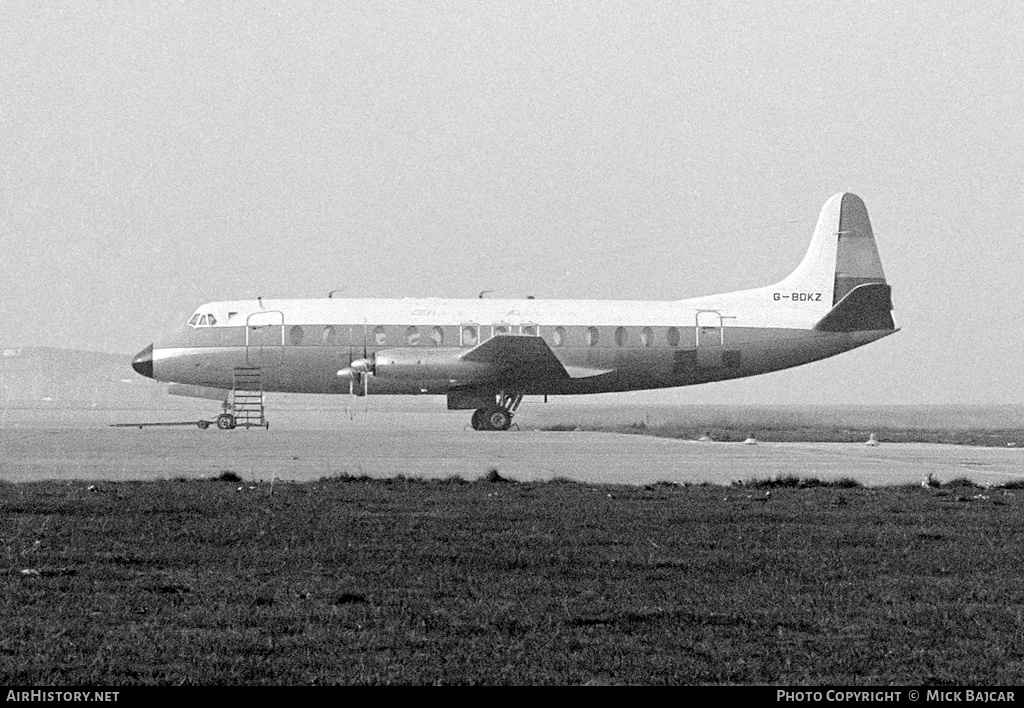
[(358, 369)]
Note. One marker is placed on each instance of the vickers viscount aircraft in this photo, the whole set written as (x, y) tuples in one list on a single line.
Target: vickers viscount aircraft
[(486, 354)]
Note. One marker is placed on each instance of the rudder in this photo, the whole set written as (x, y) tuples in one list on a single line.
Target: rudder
[(857, 260)]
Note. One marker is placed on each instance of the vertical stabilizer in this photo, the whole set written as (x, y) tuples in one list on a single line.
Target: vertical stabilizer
[(842, 254)]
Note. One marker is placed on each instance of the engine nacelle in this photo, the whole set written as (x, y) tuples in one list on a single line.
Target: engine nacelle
[(433, 364)]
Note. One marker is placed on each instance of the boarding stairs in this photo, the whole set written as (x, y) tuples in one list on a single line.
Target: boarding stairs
[(247, 398)]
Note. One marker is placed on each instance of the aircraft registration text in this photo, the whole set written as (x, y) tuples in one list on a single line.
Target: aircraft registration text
[(797, 297)]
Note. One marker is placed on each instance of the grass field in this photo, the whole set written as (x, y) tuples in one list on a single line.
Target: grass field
[(401, 581)]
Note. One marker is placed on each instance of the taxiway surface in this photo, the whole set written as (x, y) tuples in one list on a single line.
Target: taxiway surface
[(423, 446)]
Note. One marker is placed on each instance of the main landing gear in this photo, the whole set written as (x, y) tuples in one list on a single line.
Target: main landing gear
[(499, 415)]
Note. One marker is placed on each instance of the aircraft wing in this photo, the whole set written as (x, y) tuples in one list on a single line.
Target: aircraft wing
[(526, 357), (522, 357)]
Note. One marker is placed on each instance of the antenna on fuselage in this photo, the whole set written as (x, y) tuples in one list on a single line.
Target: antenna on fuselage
[(482, 293)]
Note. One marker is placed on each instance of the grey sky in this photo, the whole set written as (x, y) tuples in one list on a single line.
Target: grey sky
[(154, 156)]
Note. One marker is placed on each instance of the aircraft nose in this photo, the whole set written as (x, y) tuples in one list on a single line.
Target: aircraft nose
[(143, 362)]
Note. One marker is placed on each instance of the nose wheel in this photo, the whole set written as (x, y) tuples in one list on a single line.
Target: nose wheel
[(225, 421)]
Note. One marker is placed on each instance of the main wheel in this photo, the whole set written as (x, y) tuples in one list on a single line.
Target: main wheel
[(477, 421), (225, 421), (497, 418)]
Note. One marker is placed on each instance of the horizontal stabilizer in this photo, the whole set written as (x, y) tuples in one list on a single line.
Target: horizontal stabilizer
[(521, 356), (866, 307)]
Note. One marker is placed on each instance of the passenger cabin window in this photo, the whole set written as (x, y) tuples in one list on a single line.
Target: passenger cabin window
[(295, 334), (328, 334), (672, 335), (379, 337), (437, 336), (468, 336), (500, 329), (647, 336), (558, 336), (412, 336), (592, 336), (528, 330), (621, 336)]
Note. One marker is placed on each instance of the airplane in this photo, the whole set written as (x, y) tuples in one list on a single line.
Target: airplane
[(485, 355)]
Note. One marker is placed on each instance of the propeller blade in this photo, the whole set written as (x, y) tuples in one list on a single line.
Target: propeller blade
[(366, 374), (351, 398)]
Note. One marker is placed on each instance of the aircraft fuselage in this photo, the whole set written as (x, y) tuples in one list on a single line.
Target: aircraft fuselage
[(629, 346)]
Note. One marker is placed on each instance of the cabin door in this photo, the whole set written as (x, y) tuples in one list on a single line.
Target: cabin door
[(264, 339), (710, 338)]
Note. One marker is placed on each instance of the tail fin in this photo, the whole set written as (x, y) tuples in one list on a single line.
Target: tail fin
[(842, 254)]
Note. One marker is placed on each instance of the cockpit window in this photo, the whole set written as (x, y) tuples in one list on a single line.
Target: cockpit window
[(200, 320)]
